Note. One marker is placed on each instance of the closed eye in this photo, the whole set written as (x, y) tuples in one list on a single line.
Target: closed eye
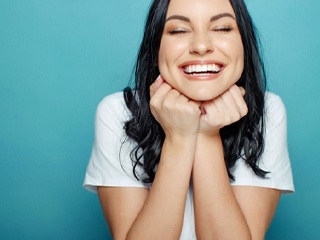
[(177, 31), (223, 29)]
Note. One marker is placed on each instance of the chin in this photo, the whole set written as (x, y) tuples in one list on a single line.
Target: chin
[(201, 96)]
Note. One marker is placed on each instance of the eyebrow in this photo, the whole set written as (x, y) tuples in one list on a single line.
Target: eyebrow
[(212, 19)]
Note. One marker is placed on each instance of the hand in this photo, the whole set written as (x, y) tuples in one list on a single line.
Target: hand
[(224, 110), (177, 114)]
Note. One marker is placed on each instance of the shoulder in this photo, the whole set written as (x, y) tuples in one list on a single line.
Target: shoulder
[(113, 107), (114, 101), (275, 112), (275, 158), (274, 104), (110, 163)]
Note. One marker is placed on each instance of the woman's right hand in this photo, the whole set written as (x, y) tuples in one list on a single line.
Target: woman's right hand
[(177, 114)]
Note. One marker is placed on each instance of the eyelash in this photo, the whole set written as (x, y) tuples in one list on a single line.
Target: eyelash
[(223, 29), (182, 31), (177, 31)]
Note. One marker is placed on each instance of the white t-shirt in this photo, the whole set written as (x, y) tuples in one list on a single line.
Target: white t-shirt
[(110, 163)]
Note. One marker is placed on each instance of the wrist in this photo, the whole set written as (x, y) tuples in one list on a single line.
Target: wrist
[(181, 140), (206, 142), (211, 136), (209, 149), (178, 148)]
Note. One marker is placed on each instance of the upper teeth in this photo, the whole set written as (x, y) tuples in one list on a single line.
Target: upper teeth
[(202, 68)]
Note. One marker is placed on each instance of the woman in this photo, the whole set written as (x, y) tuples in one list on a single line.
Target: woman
[(201, 152)]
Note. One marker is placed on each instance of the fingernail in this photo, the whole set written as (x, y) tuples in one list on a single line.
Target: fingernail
[(158, 78)]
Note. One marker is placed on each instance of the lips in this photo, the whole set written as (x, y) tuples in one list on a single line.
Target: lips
[(202, 69)]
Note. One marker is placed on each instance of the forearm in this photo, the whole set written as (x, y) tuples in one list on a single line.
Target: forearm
[(163, 211), (217, 212)]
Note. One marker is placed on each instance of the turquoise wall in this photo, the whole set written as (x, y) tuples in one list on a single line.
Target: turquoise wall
[(59, 58)]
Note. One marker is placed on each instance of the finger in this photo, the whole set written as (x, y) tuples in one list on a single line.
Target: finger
[(196, 103), (202, 109), (220, 104), (229, 101), (233, 110), (242, 90), (158, 97), (213, 108), (155, 85), (238, 94)]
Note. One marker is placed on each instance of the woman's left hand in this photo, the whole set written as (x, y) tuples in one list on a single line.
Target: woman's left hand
[(223, 110)]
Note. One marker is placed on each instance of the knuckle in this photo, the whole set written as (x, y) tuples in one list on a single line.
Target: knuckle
[(166, 104), (244, 110), (234, 89), (154, 102)]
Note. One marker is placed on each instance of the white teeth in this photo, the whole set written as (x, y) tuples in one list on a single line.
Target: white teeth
[(202, 68)]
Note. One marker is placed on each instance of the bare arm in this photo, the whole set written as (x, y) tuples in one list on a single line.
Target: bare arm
[(137, 213), (258, 206), (217, 212), (121, 206), (227, 212), (223, 212), (134, 213)]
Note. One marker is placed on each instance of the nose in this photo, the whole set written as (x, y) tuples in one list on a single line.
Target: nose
[(201, 44)]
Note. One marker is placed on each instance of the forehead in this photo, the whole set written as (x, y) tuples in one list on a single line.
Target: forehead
[(199, 7)]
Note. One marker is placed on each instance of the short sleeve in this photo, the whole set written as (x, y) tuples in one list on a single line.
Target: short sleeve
[(275, 158), (110, 163)]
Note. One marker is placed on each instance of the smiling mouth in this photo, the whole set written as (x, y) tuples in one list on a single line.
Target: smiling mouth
[(202, 69)]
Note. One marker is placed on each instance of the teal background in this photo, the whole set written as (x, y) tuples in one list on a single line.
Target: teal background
[(57, 61)]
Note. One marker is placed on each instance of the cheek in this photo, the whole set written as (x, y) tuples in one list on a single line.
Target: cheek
[(171, 49), (241, 57), (231, 47), (239, 51), (162, 64), (169, 52), (166, 64), (162, 55), (234, 50)]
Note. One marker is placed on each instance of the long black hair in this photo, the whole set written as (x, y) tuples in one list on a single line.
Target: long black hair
[(242, 139)]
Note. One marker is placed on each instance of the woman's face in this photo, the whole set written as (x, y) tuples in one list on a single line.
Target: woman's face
[(201, 52)]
